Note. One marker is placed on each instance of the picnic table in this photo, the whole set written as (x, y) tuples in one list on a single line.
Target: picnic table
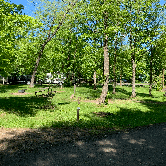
[(164, 94), (21, 91), (45, 92)]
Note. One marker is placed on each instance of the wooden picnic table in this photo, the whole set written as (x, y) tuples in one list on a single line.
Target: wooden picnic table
[(47, 94)]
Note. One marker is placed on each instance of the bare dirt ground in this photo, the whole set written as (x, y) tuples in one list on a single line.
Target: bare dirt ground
[(69, 147), (25, 93)]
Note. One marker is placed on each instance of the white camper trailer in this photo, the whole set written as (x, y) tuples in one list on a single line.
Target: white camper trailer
[(50, 78)]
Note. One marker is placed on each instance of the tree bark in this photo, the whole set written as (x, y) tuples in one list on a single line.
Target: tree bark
[(106, 72), (163, 79), (114, 72), (34, 72), (121, 80), (151, 77), (133, 67), (94, 78), (106, 62), (133, 77), (3, 80)]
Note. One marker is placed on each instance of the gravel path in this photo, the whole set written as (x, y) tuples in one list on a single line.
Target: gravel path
[(54, 147)]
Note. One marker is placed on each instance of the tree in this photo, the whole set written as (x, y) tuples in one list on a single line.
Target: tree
[(154, 27), (13, 27), (140, 16), (102, 23), (50, 17)]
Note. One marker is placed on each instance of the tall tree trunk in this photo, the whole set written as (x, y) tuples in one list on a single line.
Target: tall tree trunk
[(121, 72), (3, 80), (35, 70), (106, 62), (132, 48), (114, 71), (133, 76), (94, 78), (121, 79), (133, 66), (151, 77), (163, 79), (106, 72)]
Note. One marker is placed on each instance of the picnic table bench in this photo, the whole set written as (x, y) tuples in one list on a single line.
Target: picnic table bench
[(49, 93), (21, 91), (164, 94)]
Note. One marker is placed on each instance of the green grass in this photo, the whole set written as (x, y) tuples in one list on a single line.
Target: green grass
[(27, 111)]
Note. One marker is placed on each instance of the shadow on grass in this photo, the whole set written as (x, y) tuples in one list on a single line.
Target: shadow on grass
[(155, 106), (22, 106), (122, 93), (74, 146), (6, 88), (64, 103), (124, 118), (89, 93), (46, 85)]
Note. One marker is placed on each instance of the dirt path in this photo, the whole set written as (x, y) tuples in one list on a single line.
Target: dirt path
[(67, 147)]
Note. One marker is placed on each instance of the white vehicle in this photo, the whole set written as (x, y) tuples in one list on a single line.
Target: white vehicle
[(3, 80), (48, 78), (51, 79)]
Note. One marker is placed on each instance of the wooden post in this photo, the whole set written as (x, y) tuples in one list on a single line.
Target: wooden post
[(74, 88), (3, 80), (79, 98), (163, 79), (94, 78), (78, 109)]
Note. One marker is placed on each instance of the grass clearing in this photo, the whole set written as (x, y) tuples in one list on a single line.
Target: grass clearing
[(28, 111)]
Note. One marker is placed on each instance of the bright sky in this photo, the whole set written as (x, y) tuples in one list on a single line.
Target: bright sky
[(28, 7)]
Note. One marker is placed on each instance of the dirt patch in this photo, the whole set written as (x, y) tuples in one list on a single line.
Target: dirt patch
[(103, 114), (7, 133), (90, 101), (152, 102), (110, 101), (3, 114), (25, 93), (38, 136)]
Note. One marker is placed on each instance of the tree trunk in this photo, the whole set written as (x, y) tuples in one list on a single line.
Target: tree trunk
[(94, 78), (114, 72), (106, 62), (106, 72), (151, 64), (121, 73), (163, 79), (3, 80), (34, 71), (121, 80), (133, 67), (133, 77)]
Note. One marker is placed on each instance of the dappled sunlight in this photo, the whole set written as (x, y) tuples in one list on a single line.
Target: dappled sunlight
[(72, 155), (80, 143), (91, 155), (152, 147), (133, 141), (107, 142), (71, 146), (107, 150)]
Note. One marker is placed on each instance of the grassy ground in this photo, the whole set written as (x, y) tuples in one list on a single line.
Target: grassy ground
[(121, 112)]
